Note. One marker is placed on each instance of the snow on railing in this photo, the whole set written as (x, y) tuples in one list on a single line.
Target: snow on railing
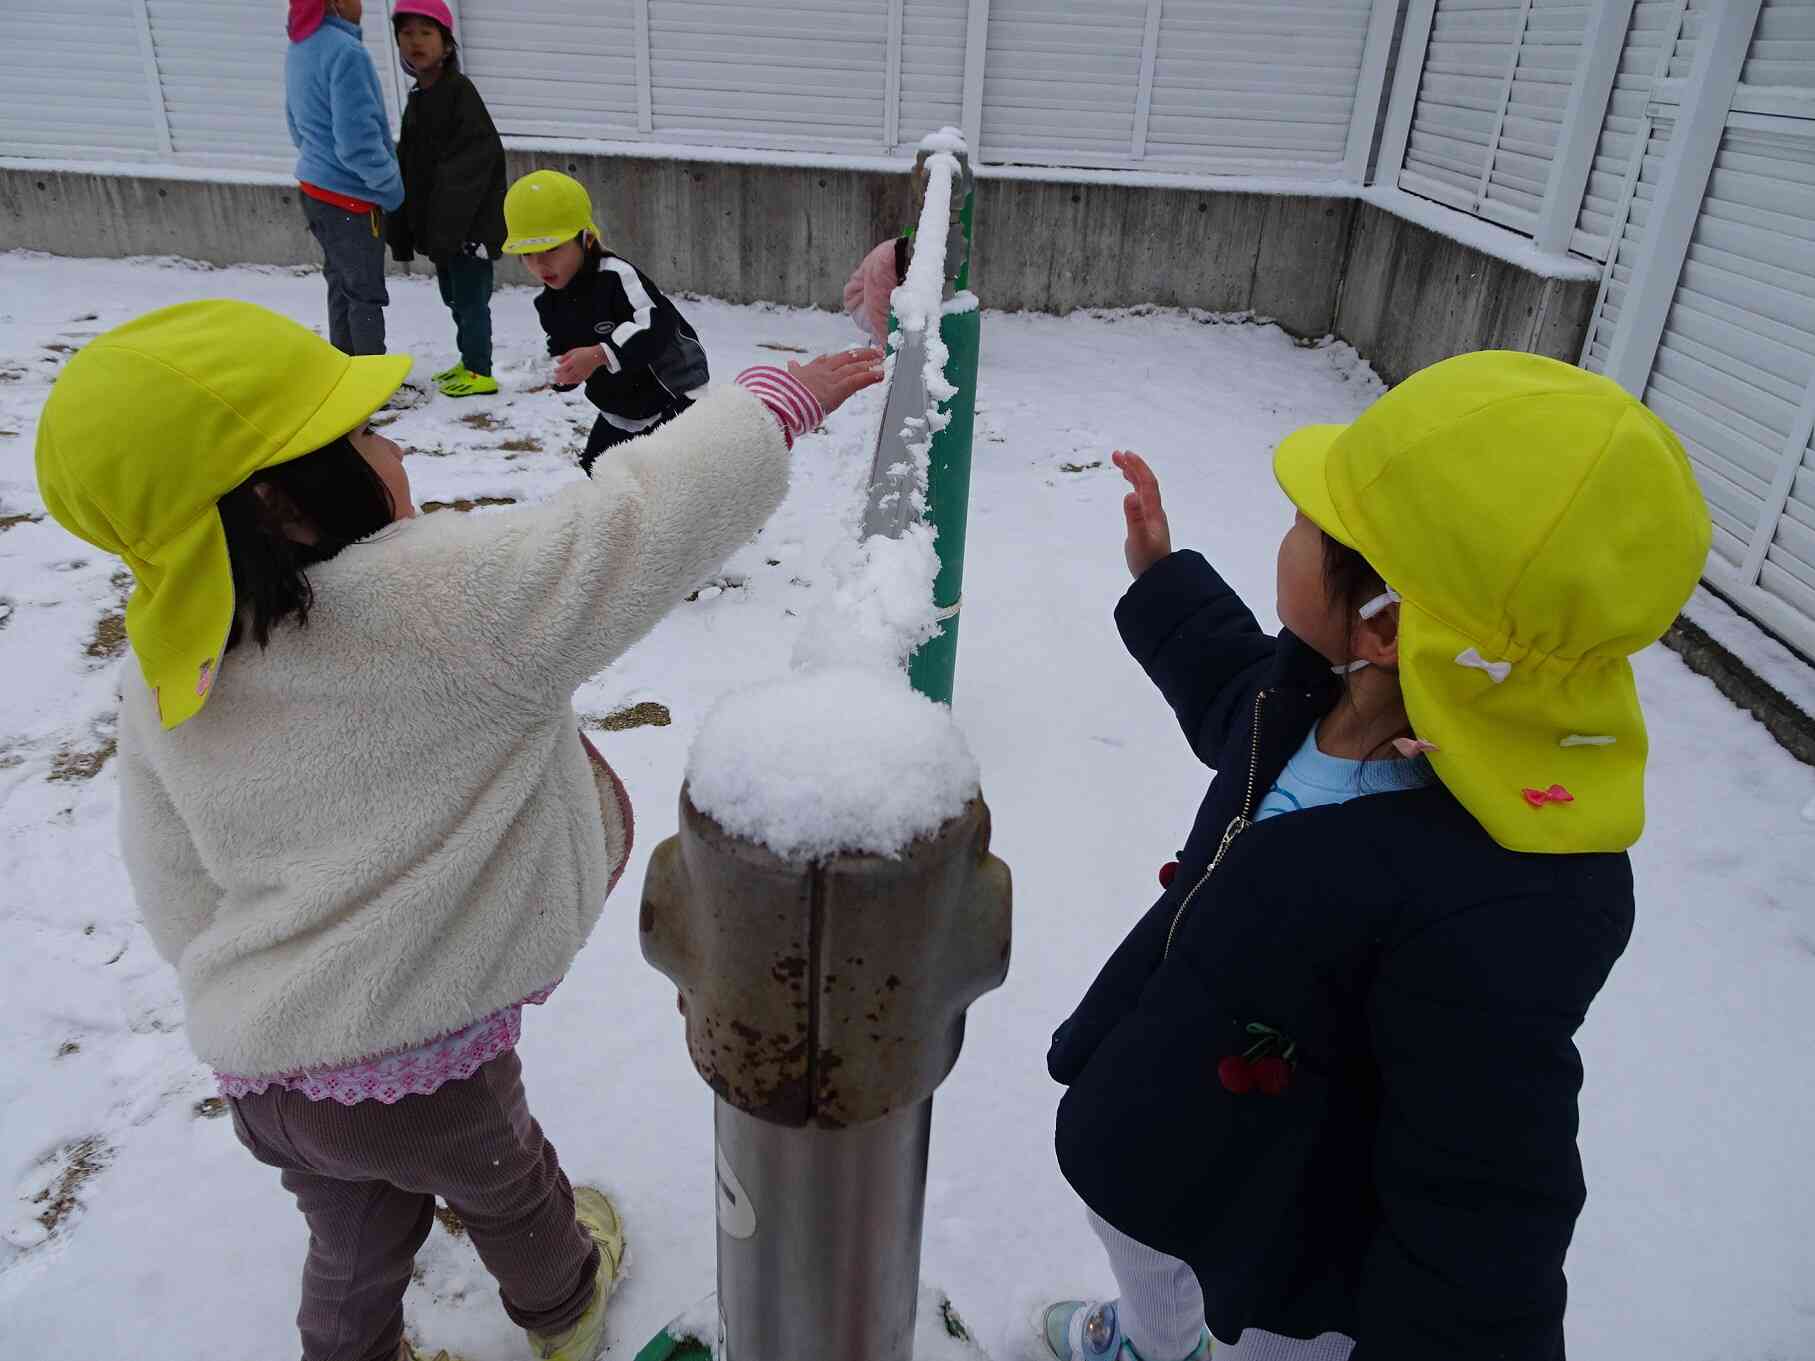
[(841, 754)]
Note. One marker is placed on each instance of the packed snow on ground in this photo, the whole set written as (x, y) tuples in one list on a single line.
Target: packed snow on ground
[(137, 1227)]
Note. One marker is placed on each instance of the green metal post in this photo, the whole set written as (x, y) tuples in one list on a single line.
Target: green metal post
[(948, 489)]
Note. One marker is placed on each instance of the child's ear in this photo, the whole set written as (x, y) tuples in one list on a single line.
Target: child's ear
[(1376, 640)]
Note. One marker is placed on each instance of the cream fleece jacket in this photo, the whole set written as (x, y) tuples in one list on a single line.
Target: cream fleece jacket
[(385, 826)]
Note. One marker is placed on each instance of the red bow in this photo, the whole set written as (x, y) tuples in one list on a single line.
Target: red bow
[(1537, 798)]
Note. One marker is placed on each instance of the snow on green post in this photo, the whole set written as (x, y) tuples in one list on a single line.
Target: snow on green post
[(948, 489), (931, 407)]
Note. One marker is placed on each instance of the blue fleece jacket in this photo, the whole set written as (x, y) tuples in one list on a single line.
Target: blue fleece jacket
[(337, 119)]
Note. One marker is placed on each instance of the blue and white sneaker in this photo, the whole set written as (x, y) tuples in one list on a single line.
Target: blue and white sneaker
[(1082, 1330)]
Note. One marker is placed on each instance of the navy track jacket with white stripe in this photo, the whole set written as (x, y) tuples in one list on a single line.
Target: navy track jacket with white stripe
[(653, 356)]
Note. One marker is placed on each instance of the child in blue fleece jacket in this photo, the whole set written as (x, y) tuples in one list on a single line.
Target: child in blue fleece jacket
[(347, 168)]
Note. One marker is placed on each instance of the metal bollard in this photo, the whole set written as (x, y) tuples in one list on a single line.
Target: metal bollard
[(825, 1003)]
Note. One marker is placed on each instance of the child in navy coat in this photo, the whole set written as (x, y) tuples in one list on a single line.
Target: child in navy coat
[(1322, 1100)]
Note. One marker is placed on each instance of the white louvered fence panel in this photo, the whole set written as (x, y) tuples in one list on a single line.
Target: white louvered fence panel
[(1473, 44), (73, 81), (1734, 367), (1629, 221), (1696, 16), (1644, 59), (933, 34), (809, 74), (1491, 99), (1061, 80), (1247, 84), (1550, 56), (553, 68), (1782, 55), (221, 63)]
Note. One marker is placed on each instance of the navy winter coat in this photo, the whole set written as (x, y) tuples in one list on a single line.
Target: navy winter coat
[(1417, 1185)]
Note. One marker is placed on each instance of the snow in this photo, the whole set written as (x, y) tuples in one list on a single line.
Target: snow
[(1315, 180), (156, 170), (841, 759), (1480, 234), (842, 755), (918, 297), (878, 607), (1763, 655), (948, 139), (1698, 1112)]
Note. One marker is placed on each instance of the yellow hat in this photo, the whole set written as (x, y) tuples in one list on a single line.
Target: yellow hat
[(1540, 526), (544, 209), (150, 424)]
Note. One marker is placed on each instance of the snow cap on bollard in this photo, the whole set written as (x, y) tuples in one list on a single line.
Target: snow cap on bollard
[(830, 907)]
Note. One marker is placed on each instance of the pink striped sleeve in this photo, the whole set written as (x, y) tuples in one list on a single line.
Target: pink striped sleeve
[(788, 399)]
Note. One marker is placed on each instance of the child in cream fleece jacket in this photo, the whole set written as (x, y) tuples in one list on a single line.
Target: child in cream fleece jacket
[(368, 834)]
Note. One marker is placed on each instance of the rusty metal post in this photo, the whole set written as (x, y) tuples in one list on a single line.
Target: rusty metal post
[(825, 1003)]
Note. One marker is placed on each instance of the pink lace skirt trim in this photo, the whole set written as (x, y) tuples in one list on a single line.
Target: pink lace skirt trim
[(414, 1072)]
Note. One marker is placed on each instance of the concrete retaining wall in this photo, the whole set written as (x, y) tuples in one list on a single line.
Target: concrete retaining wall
[(1403, 295), (1412, 296)]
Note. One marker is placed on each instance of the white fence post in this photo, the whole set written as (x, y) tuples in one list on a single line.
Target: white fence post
[(1506, 89), (891, 84), (1365, 116), (1788, 466), (1405, 90), (1143, 99), (1582, 119), (645, 93), (1702, 119), (976, 48), (154, 81)]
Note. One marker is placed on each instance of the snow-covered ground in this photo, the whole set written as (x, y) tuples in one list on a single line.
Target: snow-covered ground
[(170, 1243)]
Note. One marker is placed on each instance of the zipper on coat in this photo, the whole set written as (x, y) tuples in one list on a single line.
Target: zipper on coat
[(1238, 824)]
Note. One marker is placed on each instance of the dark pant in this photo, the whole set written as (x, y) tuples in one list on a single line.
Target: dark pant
[(366, 1177), (466, 288), (352, 258), (605, 435)]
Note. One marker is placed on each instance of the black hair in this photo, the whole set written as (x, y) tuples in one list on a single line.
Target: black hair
[(451, 64), (332, 495), (1351, 581)]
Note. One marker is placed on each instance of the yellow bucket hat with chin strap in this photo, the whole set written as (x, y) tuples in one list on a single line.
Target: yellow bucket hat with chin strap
[(153, 422), (1539, 525)]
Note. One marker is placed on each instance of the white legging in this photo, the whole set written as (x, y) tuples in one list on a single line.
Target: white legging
[(1161, 1310)]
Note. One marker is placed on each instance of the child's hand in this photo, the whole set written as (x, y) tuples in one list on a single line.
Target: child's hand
[(834, 378), (576, 366), (1149, 536)]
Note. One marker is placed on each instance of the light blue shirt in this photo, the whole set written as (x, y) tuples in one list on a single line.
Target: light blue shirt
[(1312, 779)]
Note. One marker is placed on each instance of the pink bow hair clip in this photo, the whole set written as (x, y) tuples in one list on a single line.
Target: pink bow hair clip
[(1537, 798)]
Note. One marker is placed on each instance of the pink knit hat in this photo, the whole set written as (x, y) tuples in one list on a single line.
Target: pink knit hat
[(427, 9)]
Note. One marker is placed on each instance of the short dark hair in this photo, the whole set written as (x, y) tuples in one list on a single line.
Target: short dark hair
[(334, 494)]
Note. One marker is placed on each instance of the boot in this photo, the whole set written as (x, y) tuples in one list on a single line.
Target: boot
[(585, 1341)]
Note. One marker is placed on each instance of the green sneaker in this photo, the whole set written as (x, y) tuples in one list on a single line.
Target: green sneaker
[(445, 374), (585, 1341), (468, 384)]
